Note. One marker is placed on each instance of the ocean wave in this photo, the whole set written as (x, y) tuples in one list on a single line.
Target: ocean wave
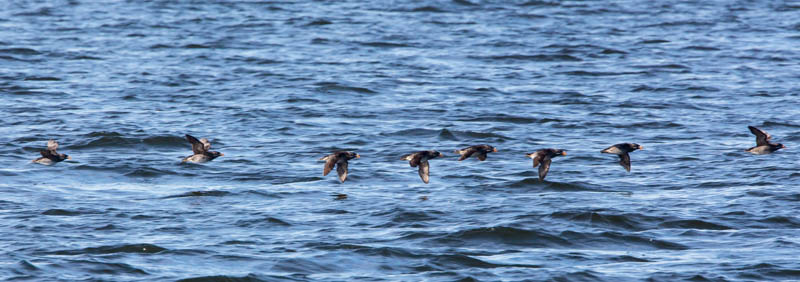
[(20, 51), (508, 118), (447, 134), (539, 3), (500, 236), (42, 78), (307, 266), (149, 172), (210, 193), (113, 249), (632, 222), (247, 278), (365, 249), (610, 238), (104, 268), (693, 224), (428, 9), (601, 73), (583, 275), (458, 261), (768, 271), (261, 222), (333, 87), (102, 139), (67, 212), (533, 58), (381, 44), (780, 222)]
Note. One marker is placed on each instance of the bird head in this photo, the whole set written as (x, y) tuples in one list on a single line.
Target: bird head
[(353, 155)]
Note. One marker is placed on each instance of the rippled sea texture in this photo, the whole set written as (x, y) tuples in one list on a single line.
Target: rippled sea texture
[(277, 85)]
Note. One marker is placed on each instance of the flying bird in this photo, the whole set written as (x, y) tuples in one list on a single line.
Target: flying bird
[(544, 157), (201, 151), (420, 159), (338, 159), (50, 156), (763, 146), (622, 150), (479, 151)]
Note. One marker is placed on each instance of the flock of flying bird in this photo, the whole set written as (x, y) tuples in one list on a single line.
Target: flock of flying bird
[(541, 158)]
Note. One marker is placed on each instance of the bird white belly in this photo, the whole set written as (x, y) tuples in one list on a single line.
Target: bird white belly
[(760, 150), (44, 161), (197, 158)]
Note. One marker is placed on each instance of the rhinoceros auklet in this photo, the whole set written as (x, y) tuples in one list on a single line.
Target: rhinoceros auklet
[(338, 159), (421, 159), (479, 151), (544, 157), (763, 146), (50, 156), (200, 148), (622, 150)]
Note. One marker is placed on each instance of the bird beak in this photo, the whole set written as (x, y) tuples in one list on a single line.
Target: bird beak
[(641, 147), (358, 156), (495, 150), (221, 154), (69, 157), (563, 153)]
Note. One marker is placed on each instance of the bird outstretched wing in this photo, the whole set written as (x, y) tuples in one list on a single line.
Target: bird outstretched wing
[(466, 153), (341, 168), (424, 171), (761, 136), (197, 146), (52, 145), (625, 161), (544, 168)]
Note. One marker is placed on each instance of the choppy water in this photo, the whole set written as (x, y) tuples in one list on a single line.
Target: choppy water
[(276, 85)]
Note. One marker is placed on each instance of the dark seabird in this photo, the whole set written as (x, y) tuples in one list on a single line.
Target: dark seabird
[(50, 156), (622, 150), (544, 157), (763, 146), (421, 159), (200, 148), (479, 151), (338, 159)]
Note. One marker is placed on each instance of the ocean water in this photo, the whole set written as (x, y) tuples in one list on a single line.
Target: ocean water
[(277, 85)]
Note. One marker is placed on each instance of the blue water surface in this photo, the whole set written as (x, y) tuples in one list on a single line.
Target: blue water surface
[(277, 85)]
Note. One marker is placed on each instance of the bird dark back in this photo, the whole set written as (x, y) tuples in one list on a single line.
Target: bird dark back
[(344, 155), (628, 147)]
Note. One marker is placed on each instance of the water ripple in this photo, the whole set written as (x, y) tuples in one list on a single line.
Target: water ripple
[(277, 85)]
